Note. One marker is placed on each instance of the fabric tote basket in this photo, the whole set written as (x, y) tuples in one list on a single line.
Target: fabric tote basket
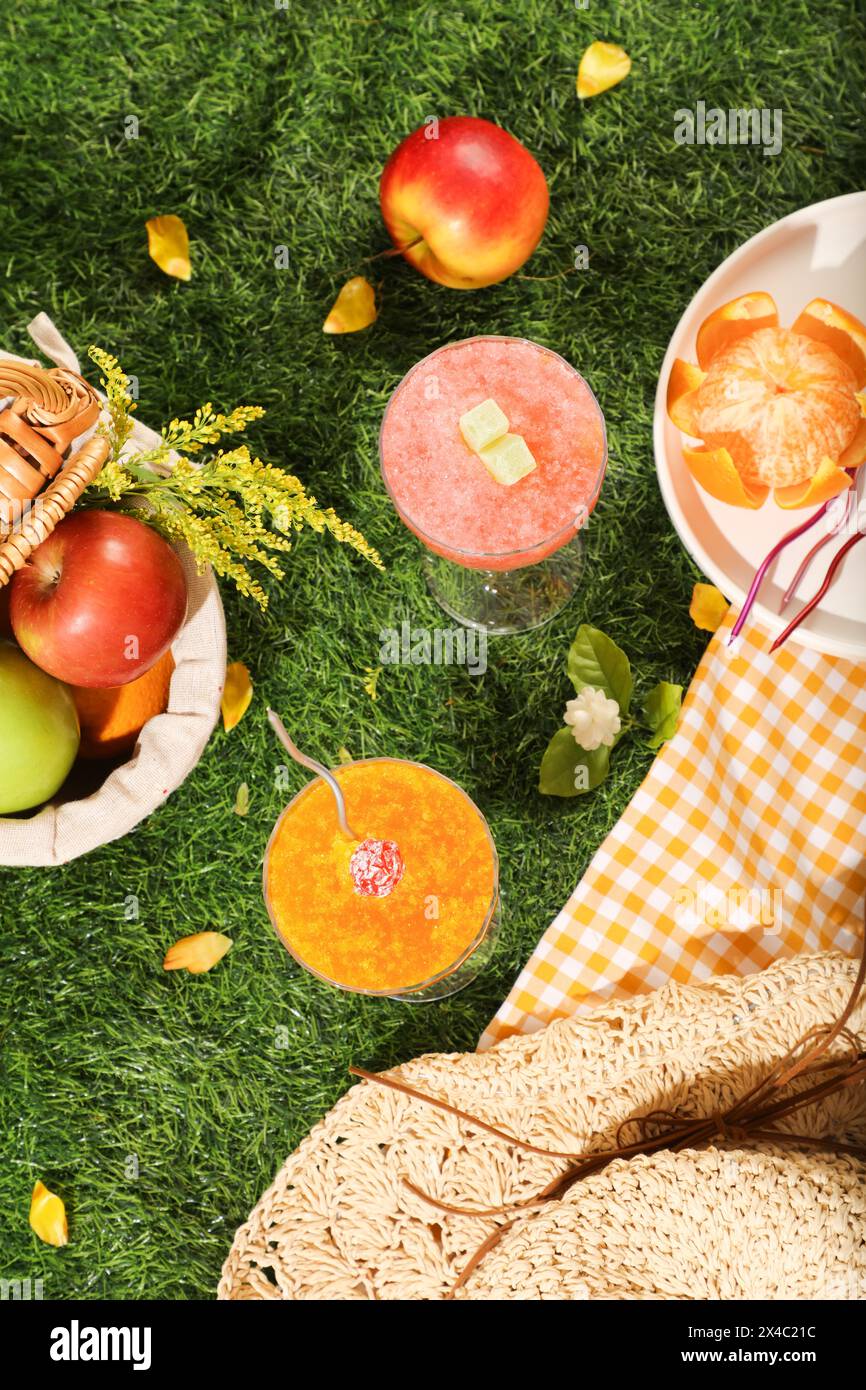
[(169, 745)]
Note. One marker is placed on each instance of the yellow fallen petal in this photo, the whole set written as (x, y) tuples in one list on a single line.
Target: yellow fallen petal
[(237, 694), (354, 307), (708, 607), (197, 953), (602, 66), (242, 800), (48, 1216), (168, 245)]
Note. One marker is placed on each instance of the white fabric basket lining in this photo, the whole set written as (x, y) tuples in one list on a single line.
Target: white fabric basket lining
[(170, 745)]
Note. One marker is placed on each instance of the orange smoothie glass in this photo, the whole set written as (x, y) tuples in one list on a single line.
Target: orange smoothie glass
[(501, 558), (427, 937)]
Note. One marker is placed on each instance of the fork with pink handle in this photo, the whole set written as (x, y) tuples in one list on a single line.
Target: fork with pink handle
[(849, 508)]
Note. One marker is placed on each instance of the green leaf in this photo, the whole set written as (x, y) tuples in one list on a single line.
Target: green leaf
[(242, 800), (662, 712), (564, 763), (595, 659)]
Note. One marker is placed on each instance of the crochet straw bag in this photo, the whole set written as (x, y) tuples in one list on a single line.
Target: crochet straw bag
[(730, 1221), (171, 744)]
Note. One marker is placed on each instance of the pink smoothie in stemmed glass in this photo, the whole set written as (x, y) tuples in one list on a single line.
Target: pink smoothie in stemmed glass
[(442, 490)]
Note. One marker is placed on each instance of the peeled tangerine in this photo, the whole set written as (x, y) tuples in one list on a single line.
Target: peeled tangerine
[(774, 407)]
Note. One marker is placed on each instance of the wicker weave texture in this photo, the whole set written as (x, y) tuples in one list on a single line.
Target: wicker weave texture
[(36, 384), (765, 1222), (52, 506)]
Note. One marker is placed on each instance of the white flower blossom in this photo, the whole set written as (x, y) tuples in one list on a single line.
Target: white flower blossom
[(593, 718)]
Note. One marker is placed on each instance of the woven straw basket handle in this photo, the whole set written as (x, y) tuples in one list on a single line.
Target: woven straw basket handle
[(33, 384), (49, 410), (52, 506)]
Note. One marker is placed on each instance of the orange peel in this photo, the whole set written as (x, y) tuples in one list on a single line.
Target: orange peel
[(827, 482), (855, 454), (846, 335), (736, 319), (685, 378), (714, 470)]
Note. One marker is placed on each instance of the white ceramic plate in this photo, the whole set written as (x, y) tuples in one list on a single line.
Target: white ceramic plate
[(820, 250)]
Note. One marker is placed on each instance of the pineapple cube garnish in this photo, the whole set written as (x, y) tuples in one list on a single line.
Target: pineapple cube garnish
[(508, 459), (483, 425)]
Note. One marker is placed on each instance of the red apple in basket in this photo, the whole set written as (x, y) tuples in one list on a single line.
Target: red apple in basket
[(99, 601), (472, 193)]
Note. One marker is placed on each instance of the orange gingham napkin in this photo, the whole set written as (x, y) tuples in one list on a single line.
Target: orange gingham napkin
[(745, 842)]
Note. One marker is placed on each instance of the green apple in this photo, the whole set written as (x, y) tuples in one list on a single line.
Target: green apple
[(38, 732)]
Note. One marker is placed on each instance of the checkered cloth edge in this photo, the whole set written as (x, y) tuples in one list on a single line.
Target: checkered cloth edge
[(745, 842)]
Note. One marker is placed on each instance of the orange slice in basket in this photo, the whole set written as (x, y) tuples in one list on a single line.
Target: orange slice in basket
[(839, 330), (112, 718), (684, 381), (714, 470), (734, 320), (828, 481)]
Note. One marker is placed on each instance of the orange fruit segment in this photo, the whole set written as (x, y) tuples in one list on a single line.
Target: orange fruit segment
[(828, 481), (714, 470), (826, 323), (684, 380), (112, 718), (734, 320)]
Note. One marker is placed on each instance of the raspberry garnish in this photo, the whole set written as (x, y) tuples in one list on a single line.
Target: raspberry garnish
[(376, 868)]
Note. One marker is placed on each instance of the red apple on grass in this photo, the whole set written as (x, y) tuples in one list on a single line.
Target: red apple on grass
[(99, 601), (473, 195), (38, 732)]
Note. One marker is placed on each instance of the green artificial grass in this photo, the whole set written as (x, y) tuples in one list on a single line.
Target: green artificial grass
[(159, 1106)]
